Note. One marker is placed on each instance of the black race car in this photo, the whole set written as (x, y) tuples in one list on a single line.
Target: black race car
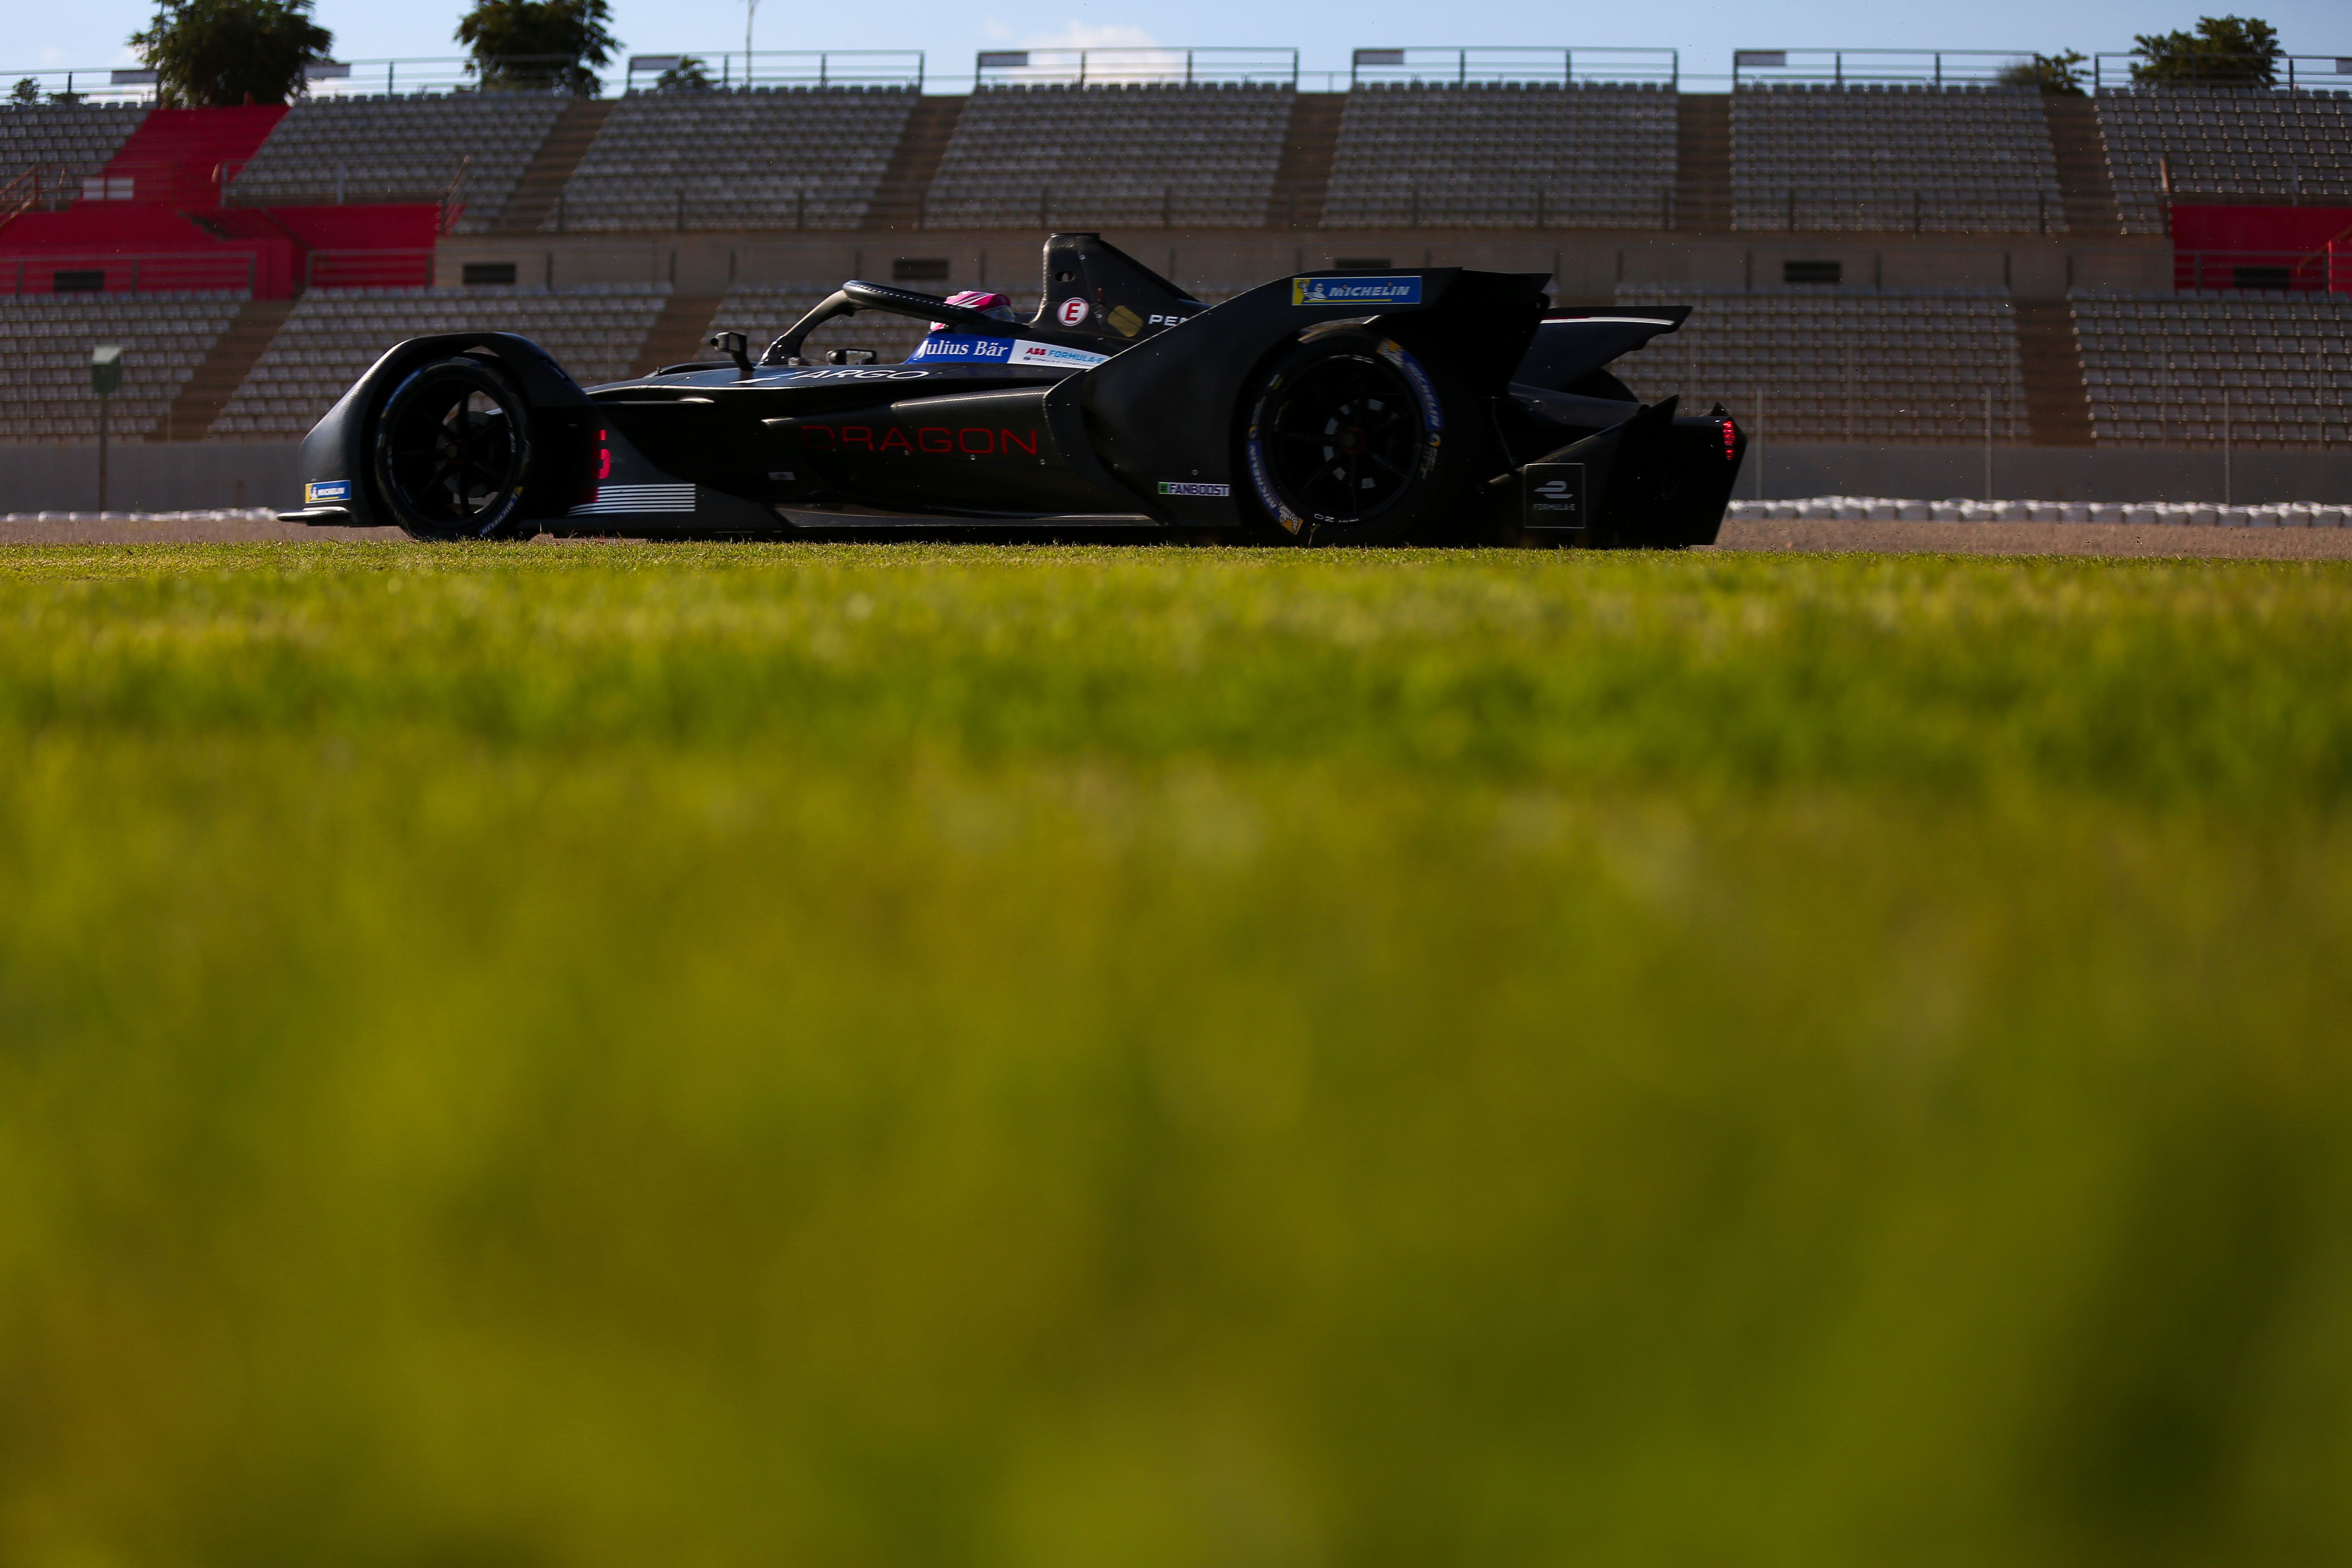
[(1368, 407)]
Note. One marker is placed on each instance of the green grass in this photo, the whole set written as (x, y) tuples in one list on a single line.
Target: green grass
[(1059, 1058)]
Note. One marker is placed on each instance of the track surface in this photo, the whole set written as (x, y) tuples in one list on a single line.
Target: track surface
[(1878, 537)]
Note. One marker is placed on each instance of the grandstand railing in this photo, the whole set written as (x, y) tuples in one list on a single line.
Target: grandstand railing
[(785, 68), (2326, 270), (404, 268), (207, 271), (2292, 73), (1083, 67), (25, 193), (1497, 66), (1865, 68), (1882, 209)]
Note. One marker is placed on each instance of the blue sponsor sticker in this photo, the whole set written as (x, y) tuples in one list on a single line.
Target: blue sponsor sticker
[(318, 490), (956, 346), (1185, 487), (1355, 291)]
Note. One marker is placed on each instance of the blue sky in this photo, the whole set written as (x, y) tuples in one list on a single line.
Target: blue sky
[(1705, 31)]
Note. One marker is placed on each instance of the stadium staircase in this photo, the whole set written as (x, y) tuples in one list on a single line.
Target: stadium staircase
[(551, 166), (224, 370), (2049, 357), (2080, 154), (1703, 161), (1303, 175), (898, 199), (679, 333)]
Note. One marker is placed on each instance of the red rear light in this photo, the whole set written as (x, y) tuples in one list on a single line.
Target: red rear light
[(1730, 441)]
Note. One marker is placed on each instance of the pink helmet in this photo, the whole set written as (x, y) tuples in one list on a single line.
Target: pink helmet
[(997, 305)]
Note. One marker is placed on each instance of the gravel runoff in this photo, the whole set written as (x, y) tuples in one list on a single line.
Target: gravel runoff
[(1835, 523)]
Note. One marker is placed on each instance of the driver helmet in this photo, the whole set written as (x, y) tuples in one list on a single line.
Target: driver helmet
[(997, 305)]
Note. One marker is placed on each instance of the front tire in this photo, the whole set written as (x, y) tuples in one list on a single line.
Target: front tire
[(1348, 439), (453, 451)]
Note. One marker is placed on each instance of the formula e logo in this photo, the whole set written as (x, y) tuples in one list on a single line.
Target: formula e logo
[(1355, 291), (1554, 495), (319, 490), (1072, 313)]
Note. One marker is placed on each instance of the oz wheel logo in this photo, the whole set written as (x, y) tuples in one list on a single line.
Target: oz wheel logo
[(1072, 313)]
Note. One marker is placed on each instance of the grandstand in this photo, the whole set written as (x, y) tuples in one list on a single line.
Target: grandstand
[(65, 142), (1503, 154), (401, 150), (1892, 156), (2259, 370), (1072, 156), (45, 392), (769, 158), (2212, 144), (595, 333), (1829, 366), (1458, 156)]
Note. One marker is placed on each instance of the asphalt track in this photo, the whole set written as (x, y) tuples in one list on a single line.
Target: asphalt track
[(1821, 535)]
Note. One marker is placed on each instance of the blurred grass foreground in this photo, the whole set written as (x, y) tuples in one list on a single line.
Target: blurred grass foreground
[(1070, 1058)]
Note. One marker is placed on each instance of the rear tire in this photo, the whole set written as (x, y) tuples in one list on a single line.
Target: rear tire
[(453, 451), (1346, 439)]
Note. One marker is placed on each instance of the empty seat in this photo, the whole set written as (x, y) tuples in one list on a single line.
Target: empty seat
[(790, 158), (2249, 144), (330, 338), (2265, 370), (1504, 155), (1921, 160), (1820, 365), (402, 149), (1066, 157), (45, 392)]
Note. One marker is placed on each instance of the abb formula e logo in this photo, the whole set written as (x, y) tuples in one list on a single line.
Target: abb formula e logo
[(935, 440), (1072, 313)]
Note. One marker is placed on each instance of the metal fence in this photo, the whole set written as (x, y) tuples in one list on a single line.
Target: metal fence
[(1095, 67), (163, 272), (1463, 67), (1931, 68)]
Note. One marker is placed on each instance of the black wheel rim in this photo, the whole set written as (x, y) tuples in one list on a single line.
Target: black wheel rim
[(1345, 438), (453, 454)]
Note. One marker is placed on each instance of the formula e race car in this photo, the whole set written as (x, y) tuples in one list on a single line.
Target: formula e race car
[(1371, 407)]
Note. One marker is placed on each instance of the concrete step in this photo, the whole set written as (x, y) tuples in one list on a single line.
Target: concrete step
[(1303, 175), (190, 417), (898, 199), (542, 182), (677, 334), (2057, 398), (2081, 155)]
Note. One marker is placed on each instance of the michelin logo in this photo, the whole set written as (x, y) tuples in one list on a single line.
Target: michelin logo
[(319, 490), (1355, 291), (1183, 488)]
